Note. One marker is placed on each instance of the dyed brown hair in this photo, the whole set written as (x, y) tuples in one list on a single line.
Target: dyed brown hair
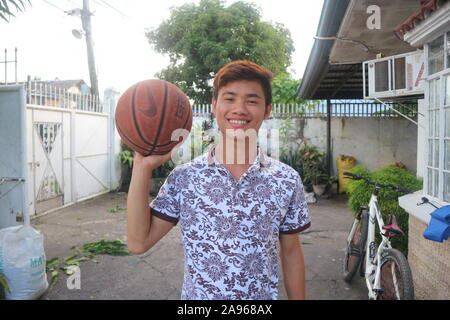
[(244, 70)]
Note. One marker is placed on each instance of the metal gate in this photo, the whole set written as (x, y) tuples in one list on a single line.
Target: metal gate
[(48, 170)]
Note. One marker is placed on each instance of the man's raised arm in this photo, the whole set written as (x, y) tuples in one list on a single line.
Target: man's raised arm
[(143, 229)]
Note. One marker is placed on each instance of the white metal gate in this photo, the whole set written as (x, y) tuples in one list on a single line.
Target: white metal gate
[(73, 147), (48, 173)]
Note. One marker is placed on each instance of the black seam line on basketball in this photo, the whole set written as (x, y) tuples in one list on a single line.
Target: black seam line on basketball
[(159, 145), (187, 118), (128, 139), (162, 116), (136, 125), (152, 101)]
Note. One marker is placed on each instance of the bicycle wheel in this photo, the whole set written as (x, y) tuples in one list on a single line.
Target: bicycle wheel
[(356, 246), (395, 278)]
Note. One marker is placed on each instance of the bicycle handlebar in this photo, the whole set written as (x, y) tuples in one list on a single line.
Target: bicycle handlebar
[(381, 185)]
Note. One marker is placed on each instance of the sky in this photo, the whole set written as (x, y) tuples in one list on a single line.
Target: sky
[(47, 48)]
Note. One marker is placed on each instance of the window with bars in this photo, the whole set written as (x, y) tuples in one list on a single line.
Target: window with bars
[(437, 178)]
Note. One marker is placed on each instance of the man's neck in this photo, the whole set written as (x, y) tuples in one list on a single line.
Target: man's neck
[(238, 154)]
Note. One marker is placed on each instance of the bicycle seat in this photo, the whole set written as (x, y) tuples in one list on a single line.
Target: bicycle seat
[(392, 228)]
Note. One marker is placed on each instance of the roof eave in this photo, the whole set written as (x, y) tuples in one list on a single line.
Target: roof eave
[(330, 20)]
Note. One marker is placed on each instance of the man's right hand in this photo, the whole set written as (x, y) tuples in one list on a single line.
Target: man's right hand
[(142, 228), (151, 162)]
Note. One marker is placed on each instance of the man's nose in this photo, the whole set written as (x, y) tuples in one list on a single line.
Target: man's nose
[(240, 107)]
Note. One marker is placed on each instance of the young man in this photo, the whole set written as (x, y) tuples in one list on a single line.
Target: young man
[(238, 208)]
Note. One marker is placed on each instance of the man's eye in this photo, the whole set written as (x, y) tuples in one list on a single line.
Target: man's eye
[(229, 99), (253, 102)]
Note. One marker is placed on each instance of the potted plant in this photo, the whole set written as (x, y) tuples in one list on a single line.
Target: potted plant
[(313, 169)]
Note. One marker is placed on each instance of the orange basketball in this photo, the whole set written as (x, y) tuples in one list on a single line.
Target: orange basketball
[(149, 112)]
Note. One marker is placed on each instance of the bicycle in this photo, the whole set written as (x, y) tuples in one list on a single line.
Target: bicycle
[(386, 270)]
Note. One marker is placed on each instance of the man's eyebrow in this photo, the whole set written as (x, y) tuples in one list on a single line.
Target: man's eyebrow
[(253, 95), (230, 92), (250, 95)]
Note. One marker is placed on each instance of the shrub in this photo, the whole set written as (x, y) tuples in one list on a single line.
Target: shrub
[(360, 192), (292, 158)]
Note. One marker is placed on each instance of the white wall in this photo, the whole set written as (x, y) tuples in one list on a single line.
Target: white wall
[(374, 142)]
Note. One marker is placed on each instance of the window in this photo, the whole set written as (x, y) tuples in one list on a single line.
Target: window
[(437, 177), (436, 55), (447, 50), (381, 76), (446, 170)]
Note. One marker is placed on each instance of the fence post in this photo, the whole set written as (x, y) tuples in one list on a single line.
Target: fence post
[(114, 167)]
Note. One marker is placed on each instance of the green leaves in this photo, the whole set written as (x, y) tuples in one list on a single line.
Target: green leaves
[(72, 262), (117, 208), (4, 284), (115, 248), (200, 39), (126, 157), (52, 267), (6, 5)]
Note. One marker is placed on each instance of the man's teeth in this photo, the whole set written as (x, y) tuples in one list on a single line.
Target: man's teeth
[(238, 121)]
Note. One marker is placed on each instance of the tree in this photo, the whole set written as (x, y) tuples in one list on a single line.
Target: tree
[(200, 39), (5, 8), (284, 89)]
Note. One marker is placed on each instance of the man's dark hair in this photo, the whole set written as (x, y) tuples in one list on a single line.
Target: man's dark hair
[(244, 70)]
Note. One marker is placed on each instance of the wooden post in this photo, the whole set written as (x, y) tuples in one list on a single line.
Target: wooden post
[(86, 22)]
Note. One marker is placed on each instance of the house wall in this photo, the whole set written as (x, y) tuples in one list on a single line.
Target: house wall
[(374, 142), (429, 262)]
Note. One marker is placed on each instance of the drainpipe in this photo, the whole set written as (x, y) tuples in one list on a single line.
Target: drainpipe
[(328, 137)]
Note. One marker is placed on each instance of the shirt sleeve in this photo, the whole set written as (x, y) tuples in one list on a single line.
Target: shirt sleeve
[(166, 205), (297, 217)]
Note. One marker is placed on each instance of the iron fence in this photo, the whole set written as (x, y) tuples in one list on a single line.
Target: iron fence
[(42, 94), (338, 109)]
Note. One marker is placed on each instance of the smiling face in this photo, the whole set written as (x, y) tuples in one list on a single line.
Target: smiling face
[(240, 104)]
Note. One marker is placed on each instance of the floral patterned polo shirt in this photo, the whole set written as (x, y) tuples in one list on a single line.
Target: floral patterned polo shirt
[(230, 228)]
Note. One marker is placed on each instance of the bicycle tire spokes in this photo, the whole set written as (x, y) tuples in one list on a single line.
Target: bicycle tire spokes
[(396, 281)]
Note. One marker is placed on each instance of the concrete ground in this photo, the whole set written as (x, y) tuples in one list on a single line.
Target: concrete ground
[(158, 274)]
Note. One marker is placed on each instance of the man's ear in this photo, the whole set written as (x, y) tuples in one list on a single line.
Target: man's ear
[(214, 102), (268, 111)]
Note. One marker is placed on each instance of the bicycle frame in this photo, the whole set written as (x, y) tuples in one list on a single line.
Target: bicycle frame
[(373, 254)]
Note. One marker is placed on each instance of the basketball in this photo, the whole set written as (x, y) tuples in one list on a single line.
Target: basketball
[(149, 112)]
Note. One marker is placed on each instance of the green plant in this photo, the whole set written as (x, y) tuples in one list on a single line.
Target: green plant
[(3, 286), (360, 193), (293, 159), (89, 251), (126, 157), (313, 165), (117, 209)]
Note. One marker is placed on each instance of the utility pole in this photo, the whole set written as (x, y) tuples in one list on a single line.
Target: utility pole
[(86, 22), (85, 15)]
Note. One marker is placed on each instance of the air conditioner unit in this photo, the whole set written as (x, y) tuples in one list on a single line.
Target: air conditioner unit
[(394, 77)]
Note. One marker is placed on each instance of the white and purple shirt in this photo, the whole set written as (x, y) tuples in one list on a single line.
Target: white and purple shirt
[(231, 228)]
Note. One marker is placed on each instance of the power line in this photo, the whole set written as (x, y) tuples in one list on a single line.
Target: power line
[(73, 2), (54, 5), (115, 9)]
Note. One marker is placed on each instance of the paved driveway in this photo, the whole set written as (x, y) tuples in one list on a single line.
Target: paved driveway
[(158, 274)]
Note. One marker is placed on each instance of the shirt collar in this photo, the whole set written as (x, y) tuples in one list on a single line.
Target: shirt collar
[(212, 159)]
